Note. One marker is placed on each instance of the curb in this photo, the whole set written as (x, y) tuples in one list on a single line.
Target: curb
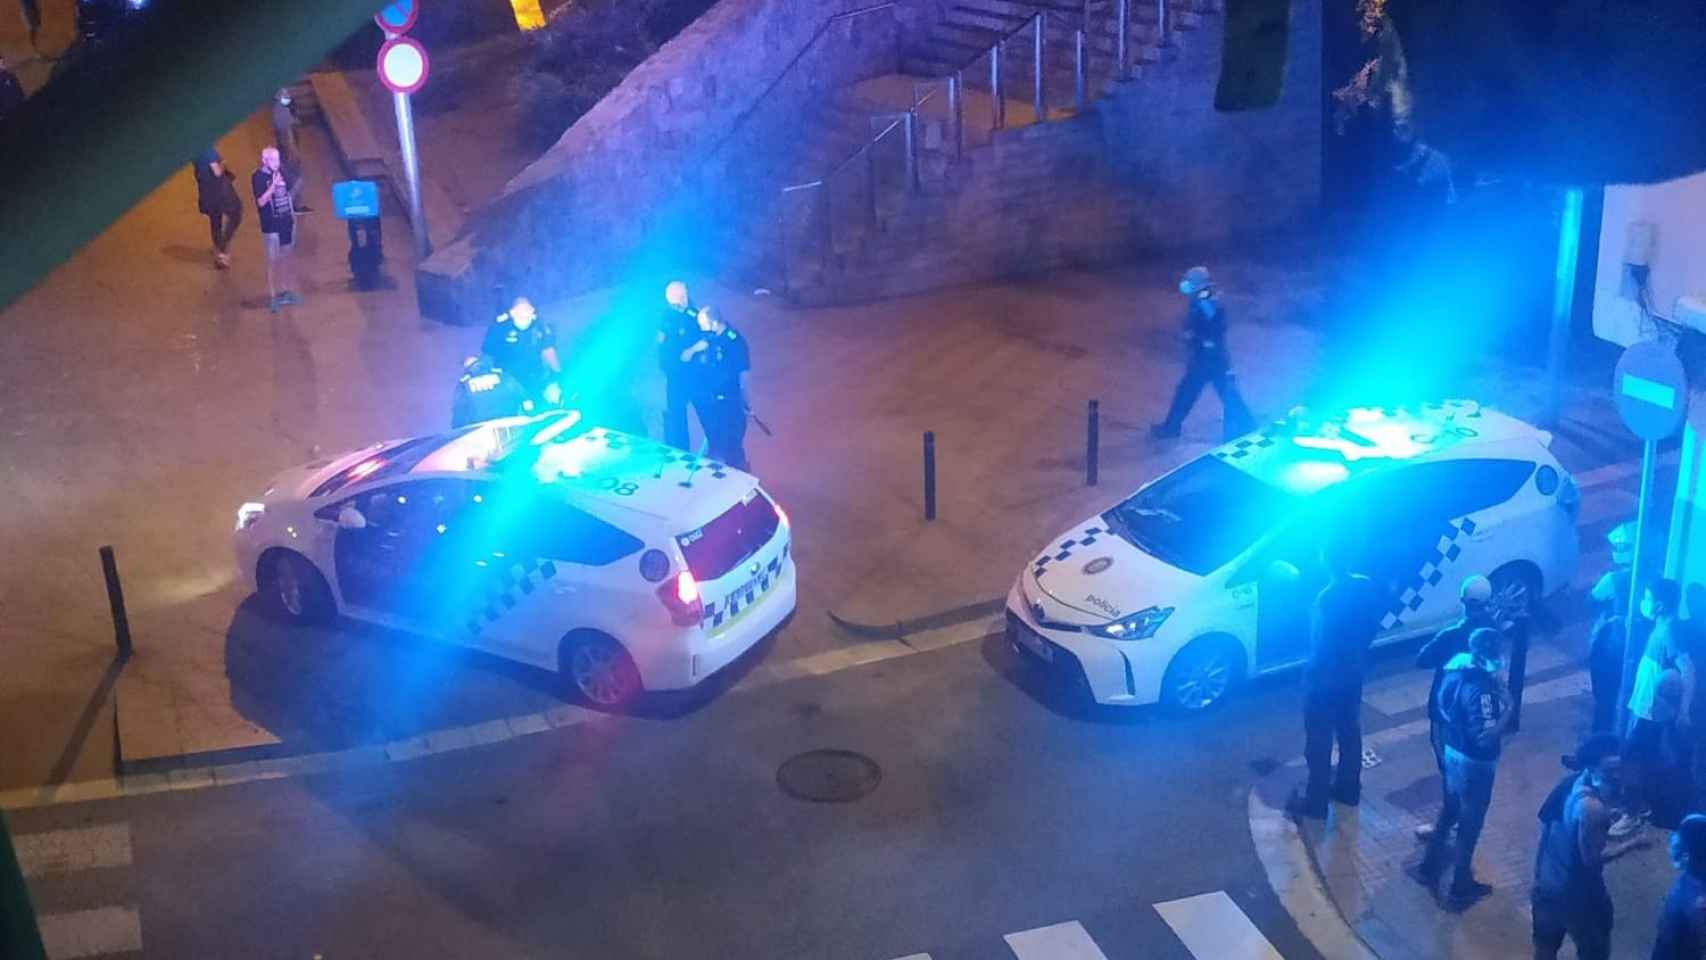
[(1296, 881), (954, 616)]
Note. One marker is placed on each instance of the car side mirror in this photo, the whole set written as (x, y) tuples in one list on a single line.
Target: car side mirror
[(349, 518)]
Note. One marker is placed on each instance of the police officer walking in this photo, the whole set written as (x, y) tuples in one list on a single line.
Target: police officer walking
[(718, 359), (1210, 361), (678, 329)]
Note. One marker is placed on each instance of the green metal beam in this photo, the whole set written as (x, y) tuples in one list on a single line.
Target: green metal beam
[(99, 137)]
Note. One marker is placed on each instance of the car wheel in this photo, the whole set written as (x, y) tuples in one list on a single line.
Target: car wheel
[(600, 670), (1516, 592), (1202, 675), (294, 591)]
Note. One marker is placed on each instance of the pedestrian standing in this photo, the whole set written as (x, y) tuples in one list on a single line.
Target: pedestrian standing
[(1682, 923), (1659, 702), (1569, 897), (1342, 624), (678, 328), (1210, 361), (719, 359), (1446, 645), (278, 227), (1610, 596), (289, 149), (216, 198), (1477, 709)]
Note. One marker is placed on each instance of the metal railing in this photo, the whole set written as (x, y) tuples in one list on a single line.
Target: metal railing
[(820, 196)]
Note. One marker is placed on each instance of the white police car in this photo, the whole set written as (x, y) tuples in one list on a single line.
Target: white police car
[(1203, 576), (620, 562)]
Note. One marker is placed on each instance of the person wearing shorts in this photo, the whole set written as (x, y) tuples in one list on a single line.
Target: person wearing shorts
[(278, 227)]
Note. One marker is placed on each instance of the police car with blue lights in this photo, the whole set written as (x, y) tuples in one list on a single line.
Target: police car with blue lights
[(1203, 577), (624, 564)]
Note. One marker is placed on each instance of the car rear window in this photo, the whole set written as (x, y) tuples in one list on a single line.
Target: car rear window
[(721, 545)]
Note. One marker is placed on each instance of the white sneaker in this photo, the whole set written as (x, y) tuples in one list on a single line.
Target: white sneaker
[(1424, 831), (1624, 825)]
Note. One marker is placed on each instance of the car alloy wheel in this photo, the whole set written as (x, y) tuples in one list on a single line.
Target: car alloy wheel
[(599, 671), (1203, 683), (287, 581), (1515, 594)]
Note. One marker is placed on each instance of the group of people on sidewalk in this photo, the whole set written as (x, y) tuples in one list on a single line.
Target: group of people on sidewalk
[(276, 190), (702, 358), (1645, 772)]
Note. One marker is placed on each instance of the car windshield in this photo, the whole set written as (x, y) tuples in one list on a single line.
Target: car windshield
[(1201, 515)]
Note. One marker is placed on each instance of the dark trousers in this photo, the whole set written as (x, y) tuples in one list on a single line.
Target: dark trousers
[(1586, 919), (1468, 794), (222, 225), (1605, 672), (675, 399), (724, 419), (1201, 370), (1330, 715), (1643, 763)]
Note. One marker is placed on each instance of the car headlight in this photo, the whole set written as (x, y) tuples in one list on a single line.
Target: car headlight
[(1134, 626), (249, 514)]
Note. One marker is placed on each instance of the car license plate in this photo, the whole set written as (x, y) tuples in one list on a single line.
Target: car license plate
[(1033, 643)]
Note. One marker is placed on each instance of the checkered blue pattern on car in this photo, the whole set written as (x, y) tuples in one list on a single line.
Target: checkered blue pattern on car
[(1244, 446), (1446, 550), (716, 613), (1060, 553), (506, 588)]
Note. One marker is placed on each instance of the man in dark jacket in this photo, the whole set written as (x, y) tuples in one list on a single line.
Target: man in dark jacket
[(1342, 624), (1436, 653), (217, 200), (1682, 925), (1476, 709), (718, 359), (11, 91), (678, 328), (1210, 361)]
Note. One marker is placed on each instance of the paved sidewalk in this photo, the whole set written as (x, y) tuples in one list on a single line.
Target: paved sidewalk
[(1346, 875)]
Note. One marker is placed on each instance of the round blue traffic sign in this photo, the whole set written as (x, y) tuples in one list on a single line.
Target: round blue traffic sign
[(398, 17), (1651, 390)]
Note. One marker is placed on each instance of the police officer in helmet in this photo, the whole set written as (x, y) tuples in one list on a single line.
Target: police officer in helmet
[(1210, 361)]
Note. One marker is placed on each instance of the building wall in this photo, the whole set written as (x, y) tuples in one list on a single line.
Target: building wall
[(1151, 167), (704, 118), (1677, 211)]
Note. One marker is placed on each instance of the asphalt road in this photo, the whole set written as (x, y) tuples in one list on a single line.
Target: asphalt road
[(1000, 810)]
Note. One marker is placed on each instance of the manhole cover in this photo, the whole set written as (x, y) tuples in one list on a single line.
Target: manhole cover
[(829, 776)]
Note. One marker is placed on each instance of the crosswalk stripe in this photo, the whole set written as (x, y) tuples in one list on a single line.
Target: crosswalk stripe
[(1213, 928), (1062, 941), (63, 851), (916, 956), (91, 933)]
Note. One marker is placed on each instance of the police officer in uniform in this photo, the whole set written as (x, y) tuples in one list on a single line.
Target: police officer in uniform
[(522, 347), (1210, 361), (718, 358), (678, 329)]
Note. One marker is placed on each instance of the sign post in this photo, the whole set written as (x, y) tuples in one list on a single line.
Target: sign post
[(403, 69), (1651, 391)]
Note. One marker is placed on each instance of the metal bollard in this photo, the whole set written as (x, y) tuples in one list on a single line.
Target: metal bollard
[(115, 599), (1093, 444), (929, 475)]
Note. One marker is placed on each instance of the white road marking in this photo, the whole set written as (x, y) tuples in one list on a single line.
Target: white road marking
[(1213, 928), (89, 933), (1062, 941), (916, 956), (1409, 690), (63, 851)]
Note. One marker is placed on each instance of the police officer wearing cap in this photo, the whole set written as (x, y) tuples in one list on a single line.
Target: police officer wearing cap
[(678, 329), (718, 359), (1209, 361)]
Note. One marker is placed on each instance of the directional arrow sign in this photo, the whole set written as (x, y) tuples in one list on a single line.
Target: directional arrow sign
[(1651, 390), (398, 17)]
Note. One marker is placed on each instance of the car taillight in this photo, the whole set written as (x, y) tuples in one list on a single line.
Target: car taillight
[(781, 516), (681, 596)]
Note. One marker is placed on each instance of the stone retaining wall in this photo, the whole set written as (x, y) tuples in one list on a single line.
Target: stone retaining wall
[(631, 187)]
